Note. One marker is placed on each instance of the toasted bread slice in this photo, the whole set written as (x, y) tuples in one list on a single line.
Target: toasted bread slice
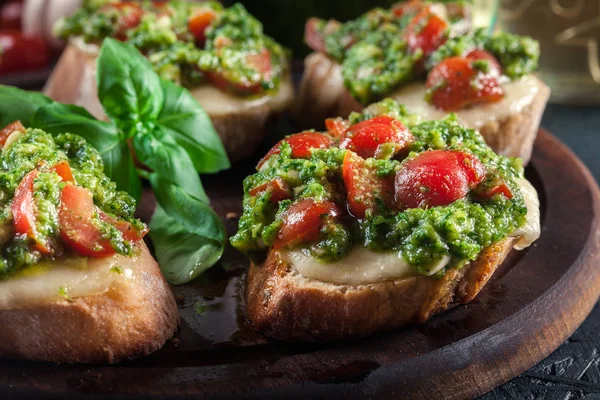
[(135, 316), (240, 123), (509, 127), (288, 306)]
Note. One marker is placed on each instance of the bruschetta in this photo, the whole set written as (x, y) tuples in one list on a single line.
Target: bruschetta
[(377, 223), (77, 282), (426, 56), (239, 75)]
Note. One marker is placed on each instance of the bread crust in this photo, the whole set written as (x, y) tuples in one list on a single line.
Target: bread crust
[(284, 305), (129, 320), (322, 95), (73, 81)]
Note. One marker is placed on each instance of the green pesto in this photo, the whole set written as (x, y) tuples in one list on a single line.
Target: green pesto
[(171, 48), (460, 230), (38, 149)]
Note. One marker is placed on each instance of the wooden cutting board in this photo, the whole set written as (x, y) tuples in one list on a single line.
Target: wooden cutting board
[(536, 299)]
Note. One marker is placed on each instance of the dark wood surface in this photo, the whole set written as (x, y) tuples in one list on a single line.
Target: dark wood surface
[(534, 302)]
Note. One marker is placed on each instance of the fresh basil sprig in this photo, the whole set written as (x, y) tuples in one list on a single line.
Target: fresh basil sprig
[(169, 133)]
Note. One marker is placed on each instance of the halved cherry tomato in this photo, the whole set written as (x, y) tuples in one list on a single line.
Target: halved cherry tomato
[(365, 137), (129, 232), (437, 178), (302, 222), (455, 83), (198, 22), (337, 126), (494, 67), (260, 62), (301, 144), (77, 231), (24, 212), (426, 32), (278, 188), (8, 130), (20, 53), (10, 15), (63, 169), (487, 190), (130, 16), (364, 188)]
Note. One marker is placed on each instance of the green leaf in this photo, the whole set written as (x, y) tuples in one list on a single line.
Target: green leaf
[(17, 104), (119, 167), (128, 88), (169, 160), (187, 122), (182, 255)]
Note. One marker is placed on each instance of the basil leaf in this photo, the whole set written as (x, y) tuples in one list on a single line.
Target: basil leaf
[(128, 87), (119, 167), (169, 160), (187, 122), (17, 104), (181, 254)]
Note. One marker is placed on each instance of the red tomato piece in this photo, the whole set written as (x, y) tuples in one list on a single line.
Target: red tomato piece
[(363, 187), (76, 228), (63, 169), (301, 144), (316, 30), (407, 7), (129, 232), (488, 191), (21, 53), (261, 62), (8, 130), (337, 126), (495, 69), (455, 83), (199, 22), (426, 32), (437, 178), (302, 222), (10, 15), (278, 188), (130, 16), (365, 137)]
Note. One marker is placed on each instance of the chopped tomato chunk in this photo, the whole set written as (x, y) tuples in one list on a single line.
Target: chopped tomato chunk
[(437, 178), (316, 30), (407, 7), (260, 62), (494, 67), (8, 130), (130, 16), (337, 126), (456, 83), (302, 222), (426, 32), (365, 190), (129, 232), (63, 169), (365, 137), (199, 22), (487, 190), (278, 188), (301, 144)]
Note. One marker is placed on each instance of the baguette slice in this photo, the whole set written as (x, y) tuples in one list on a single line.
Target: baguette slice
[(285, 305), (133, 317), (509, 127), (241, 123)]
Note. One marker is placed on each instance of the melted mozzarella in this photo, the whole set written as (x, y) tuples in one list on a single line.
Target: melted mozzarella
[(73, 278), (518, 95), (531, 230)]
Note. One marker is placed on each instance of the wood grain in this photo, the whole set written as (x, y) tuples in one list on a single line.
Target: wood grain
[(533, 303)]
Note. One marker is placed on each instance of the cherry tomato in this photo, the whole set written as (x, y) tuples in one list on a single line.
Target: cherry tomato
[(487, 190), (278, 188), (437, 178), (63, 169), (8, 130), (494, 67), (198, 22), (302, 222), (24, 212), (337, 126), (301, 144), (260, 62), (130, 16), (426, 32), (10, 15), (129, 232), (364, 188), (365, 137), (455, 83), (20, 53)]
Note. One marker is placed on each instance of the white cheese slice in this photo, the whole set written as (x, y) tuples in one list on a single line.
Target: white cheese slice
[(70, 279), (519, 94), (531, 229)]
